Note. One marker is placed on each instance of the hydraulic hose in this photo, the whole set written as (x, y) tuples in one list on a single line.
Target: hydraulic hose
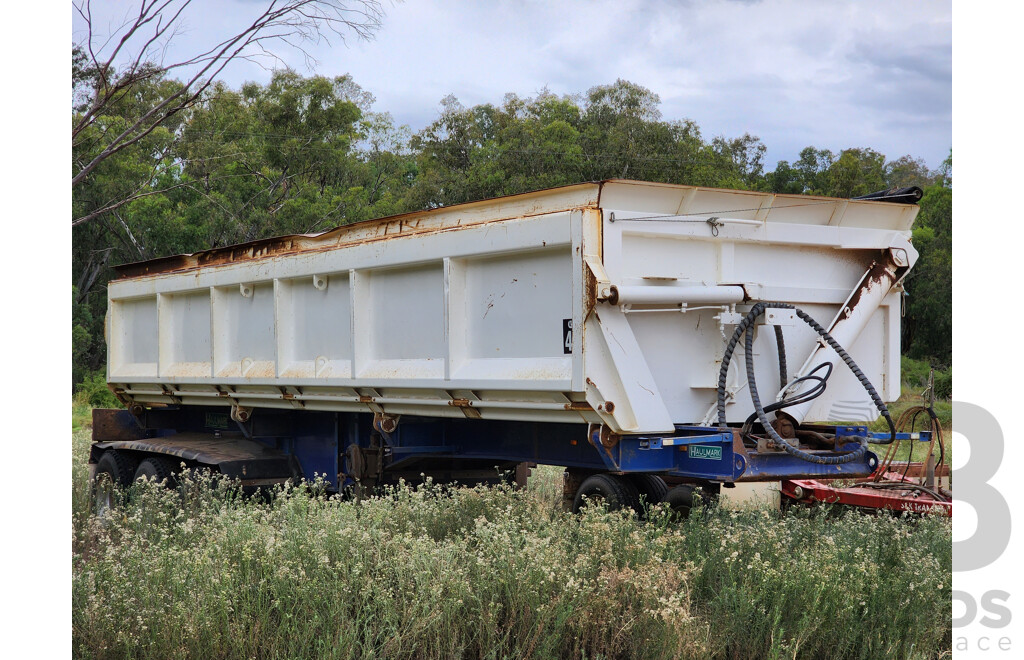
[(910, 415), (938, 434), (745, 326), (780, 341), (809, 395)]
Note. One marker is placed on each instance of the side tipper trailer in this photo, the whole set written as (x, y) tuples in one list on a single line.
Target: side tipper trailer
[(635, 333)]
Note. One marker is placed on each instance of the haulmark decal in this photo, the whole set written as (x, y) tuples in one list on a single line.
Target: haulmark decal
[(216, 421), (706, 452)]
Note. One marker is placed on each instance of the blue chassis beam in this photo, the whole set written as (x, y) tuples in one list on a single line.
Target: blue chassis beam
[(319, 441), (708, 453)]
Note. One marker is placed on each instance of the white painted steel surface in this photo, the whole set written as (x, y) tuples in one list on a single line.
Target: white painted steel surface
[(499, 309)]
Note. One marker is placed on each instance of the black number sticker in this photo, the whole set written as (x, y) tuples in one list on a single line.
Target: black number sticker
[(567, 336)]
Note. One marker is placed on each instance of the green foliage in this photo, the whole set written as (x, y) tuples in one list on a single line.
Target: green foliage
[(81, 414), (93, 392), (915, 376), (915, 384), (944, 384), (200, 572), (614, 131), (928, 326), (914, 373), (914, 387), (136, 168), (908, 171), (808, 175), (87, 347), (856, 172)]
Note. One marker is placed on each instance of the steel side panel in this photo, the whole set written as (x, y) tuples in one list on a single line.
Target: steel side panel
[(487, 310)]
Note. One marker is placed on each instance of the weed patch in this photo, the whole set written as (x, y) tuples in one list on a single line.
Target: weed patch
[(201, 572)]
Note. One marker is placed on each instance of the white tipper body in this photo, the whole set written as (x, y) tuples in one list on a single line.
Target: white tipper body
[(606, 303)]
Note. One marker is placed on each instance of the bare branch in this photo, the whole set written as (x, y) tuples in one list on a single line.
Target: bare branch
[(91, 272), (139, 195), (298, 24)]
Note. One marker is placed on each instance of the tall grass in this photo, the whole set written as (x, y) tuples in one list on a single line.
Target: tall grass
[(200, 572)]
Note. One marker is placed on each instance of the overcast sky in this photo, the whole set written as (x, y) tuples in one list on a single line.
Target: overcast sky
[(832, 74)]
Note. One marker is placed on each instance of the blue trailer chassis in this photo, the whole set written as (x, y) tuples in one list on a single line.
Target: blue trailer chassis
[(347, 448)]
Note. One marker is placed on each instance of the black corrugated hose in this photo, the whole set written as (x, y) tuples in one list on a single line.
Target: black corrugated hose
[(780, 341), (744, 327), (809, 395)]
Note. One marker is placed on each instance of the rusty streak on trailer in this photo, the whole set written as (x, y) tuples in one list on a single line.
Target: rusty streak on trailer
[(407, 224)]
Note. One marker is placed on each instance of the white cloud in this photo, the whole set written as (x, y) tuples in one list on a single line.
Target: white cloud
[(832, 74)]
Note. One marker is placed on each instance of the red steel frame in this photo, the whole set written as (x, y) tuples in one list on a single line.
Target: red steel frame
[(812, 491)]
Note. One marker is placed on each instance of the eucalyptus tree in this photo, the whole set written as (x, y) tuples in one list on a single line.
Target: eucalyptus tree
[(113, 67)]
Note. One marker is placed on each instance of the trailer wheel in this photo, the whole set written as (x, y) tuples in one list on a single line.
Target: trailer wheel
[(114, 470), (615, 491), (680, 500), (156, 468), (652, 488)]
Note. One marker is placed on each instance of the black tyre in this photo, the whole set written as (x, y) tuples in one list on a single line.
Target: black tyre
[(680, 500), (156, 468), (119, 465), (614, 491), (114, 470), (652, 488)]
